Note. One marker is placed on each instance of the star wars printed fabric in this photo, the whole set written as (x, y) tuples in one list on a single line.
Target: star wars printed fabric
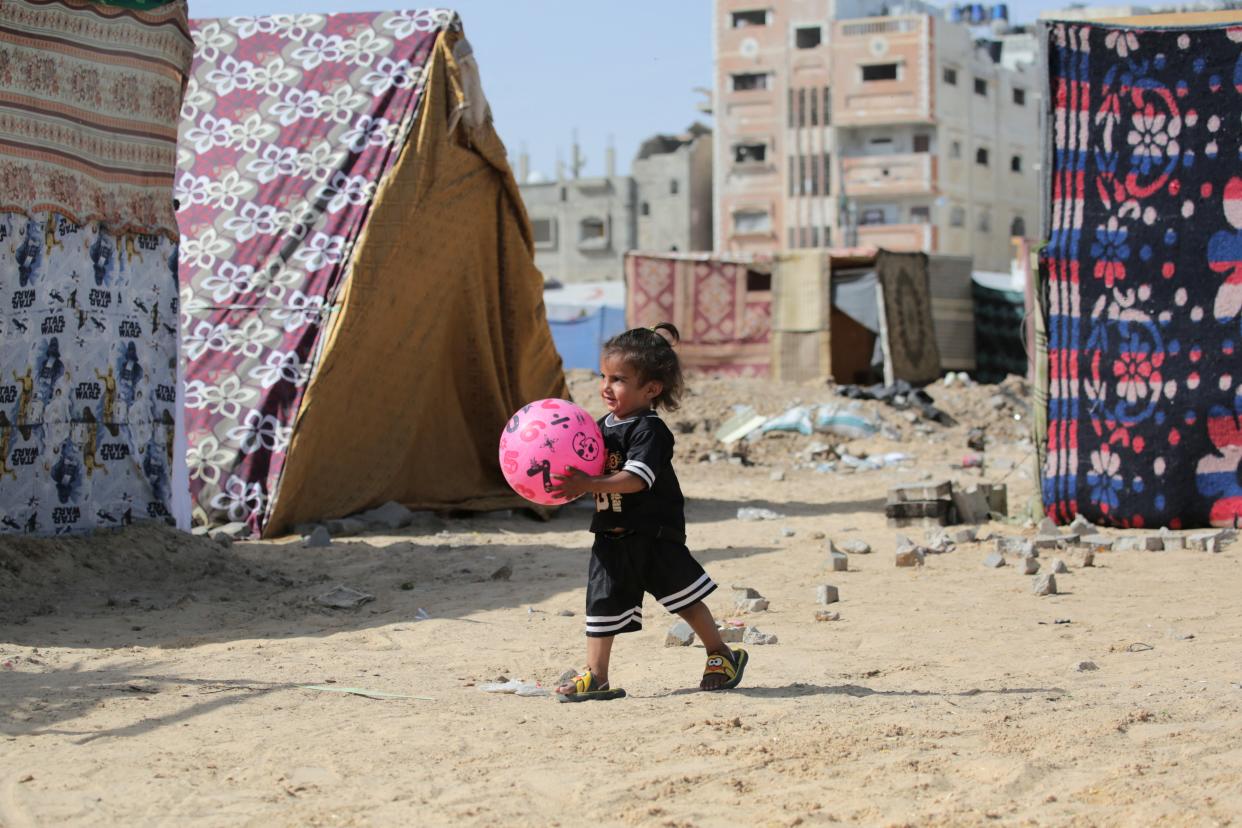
[(88, 403)]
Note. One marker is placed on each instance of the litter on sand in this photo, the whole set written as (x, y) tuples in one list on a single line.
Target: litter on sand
[(343, 597), (517, 687), (362, 691)]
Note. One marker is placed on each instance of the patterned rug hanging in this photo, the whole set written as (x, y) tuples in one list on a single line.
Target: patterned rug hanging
[(1142, 275)]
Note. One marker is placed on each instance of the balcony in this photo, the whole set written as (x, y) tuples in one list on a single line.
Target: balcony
[(898, 237), (889, 175)]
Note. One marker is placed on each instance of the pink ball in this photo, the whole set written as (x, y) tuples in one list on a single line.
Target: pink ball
[(545, 438)]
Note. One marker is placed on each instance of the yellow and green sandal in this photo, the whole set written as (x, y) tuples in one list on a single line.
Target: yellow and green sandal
[(730, 668), (587, 689)]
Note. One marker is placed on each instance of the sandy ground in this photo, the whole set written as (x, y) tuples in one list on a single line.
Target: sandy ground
[(152, 679)]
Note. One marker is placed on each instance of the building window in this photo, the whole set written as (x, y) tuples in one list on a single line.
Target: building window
[(1015, 164), (955, 149), (793, 238), (1018, 226), (645, 209), (750, 17), (814, 107), (827, 106), (880, 72), (827, 236), (813, 168), (981, 156), (757, 281), (985, 222), (1019, 97), (981, 87), (592, 232), (793, 176), (957, 216), (544, 230), (920, 214), (827, 163), (755, 153), (752, 221), (801, 237), (950, 75), (793, 110), (564, 194), (922, 143), (808, 37), (815, 236), (803, 189), (801, 107), (873, 215), (749, 81), (673, 186)]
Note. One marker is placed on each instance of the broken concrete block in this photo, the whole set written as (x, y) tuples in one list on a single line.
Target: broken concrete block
[(1082, 526), (827, 615), (1088, 558), (318, 539), (1085, 667), (1059, 567), (753, 636), (679, 635), (1139, 543), (1043, 541), (1097, 541), (731, 635), (777, 475), (1201, 540), (910, 556), (1045, 585), (924, 513), (752, 605), (1048, 526), (827, 594), (855, 547), (994, 561), (913, 492), (838, 561), (966, 534), (1172, 540), (745, 593), (1030, 565), (972, 506), (392, 515), (1015, 546)]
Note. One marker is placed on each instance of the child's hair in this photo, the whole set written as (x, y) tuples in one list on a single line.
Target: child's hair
[(650, 353)]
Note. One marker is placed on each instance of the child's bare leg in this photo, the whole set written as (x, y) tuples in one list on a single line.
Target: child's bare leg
[(599, 652), (700, 619)]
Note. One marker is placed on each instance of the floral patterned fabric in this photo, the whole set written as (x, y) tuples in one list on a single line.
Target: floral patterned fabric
[(1143, 276), (290, 124), (89, 96)]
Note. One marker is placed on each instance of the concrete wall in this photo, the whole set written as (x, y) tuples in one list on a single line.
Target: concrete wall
[(567, 204)]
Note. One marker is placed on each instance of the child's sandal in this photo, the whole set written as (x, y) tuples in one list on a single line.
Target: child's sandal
[(731, 669), (586, 688)]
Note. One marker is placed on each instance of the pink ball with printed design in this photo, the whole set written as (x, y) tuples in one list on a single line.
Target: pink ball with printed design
[(543, 439)]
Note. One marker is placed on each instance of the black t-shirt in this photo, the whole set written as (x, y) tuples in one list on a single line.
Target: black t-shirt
[(643, 446)]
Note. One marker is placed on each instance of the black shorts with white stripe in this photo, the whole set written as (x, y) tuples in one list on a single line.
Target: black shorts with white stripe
[(623, 567)]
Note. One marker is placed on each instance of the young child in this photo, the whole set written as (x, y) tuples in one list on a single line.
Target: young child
[(640, 523)]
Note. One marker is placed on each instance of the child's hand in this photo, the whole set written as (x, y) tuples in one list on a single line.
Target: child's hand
[(573, 483)]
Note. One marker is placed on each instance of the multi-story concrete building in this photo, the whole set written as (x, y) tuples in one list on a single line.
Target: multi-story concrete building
[(584, 225), (870, 123)]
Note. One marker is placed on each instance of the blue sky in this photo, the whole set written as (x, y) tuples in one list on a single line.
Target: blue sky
[(620, 68)]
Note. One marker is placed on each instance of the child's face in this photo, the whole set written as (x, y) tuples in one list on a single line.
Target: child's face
[(621, 390)]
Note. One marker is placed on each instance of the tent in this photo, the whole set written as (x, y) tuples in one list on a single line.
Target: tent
[(801, 316), (362, 312), (90, 425), (1140, 288), (583, 316)]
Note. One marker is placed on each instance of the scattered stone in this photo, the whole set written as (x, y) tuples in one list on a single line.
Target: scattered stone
[(966, 534), (1045, 585), (1088, 558), (566, 613), (817, 536), (1139, 543), (827, 594), (1085, 667), (1081, 526), (752, 513), (503, 574), (910, 556), (346, 527), (752, 605), (1172, 541), (745, 593), (223, 539), (1059, 567), (1048, 526), (838, 561), (1021, 547), (1030, 565), (938, 542), (1180, 636), (407, 585), (391, 515), (777, 475), (827, 615), (731, 634), (318, 539), (1205, 541), (753, 636), (1047, 541), (343, 597), (973, 506), (995, 561), (855, 547), (1097, 541), (787, 532), (679, 635)]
